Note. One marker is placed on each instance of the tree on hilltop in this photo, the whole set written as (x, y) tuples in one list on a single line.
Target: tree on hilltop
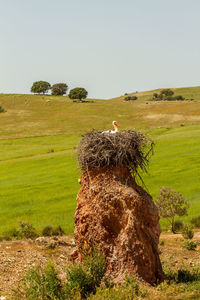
[(59, 89), (171, 203), (78, 93), (40, 87)]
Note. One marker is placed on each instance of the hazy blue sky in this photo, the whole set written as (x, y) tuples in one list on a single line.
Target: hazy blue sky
[(107, 46)]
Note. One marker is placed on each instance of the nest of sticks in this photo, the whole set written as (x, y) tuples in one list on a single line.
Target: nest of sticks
[(130, 149)]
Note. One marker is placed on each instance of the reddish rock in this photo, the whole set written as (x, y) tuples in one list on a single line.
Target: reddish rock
[(116, 214)]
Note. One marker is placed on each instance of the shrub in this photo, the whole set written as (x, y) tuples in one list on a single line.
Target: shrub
[(96, 265), (178, 226), (130, 98), (38, 284), (189, 245), (10, 234), (196, 222), (86, 277), (2, 109), (47, 231), (78, 278), (132, 282), (58, 231), (183, 275), (187, 232), (26, 230), (179, 97)]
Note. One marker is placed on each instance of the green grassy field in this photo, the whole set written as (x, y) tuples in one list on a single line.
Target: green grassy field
[(38, 173)]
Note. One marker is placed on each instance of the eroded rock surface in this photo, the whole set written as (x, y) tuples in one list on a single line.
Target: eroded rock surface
[(116, 214)]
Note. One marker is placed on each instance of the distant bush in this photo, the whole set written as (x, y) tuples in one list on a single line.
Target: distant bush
[(179, 97), (178, 226), (2, 109), (26, 230), (162, 243), (166, 94), (10, 234), (50, 231), (196, 222), (58, 231), (47, 231), (129, 98), (183, 275), (189, 245), (187, 232)]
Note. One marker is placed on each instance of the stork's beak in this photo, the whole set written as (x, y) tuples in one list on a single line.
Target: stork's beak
[(117, 124)]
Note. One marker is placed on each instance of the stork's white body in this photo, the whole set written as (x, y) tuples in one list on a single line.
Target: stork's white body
[(116, 129)]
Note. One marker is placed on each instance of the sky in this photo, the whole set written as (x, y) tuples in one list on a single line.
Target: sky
[(109, 47)]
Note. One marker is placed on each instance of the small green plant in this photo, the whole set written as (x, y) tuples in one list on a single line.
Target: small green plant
[(51, 150), (58, 231), (162, 243), (187, 232), (178, 226), (10, 234), (131, 282), (40, 284), (86, 277), (183, 275), (26, 230), (196, 222), (189, 245), (96, 265), (129, 98), (2, 109), (47, 231), (79, 279)]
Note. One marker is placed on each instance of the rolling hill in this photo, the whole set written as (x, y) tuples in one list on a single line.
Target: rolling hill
[(38, 136)]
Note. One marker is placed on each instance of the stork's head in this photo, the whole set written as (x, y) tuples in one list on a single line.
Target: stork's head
[(115, 124)]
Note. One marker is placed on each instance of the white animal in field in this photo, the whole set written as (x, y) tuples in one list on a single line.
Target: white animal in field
[(116, 128)]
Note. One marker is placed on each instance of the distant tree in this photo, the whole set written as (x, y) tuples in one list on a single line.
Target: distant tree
[(171, 203), (166, 92), (59, 89), (129, 98), (40, 87), (78, 93)]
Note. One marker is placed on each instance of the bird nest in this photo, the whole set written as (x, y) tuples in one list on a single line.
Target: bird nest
[(130, 149)]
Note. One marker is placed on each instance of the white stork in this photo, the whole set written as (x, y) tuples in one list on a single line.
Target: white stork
[(116, 129)]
